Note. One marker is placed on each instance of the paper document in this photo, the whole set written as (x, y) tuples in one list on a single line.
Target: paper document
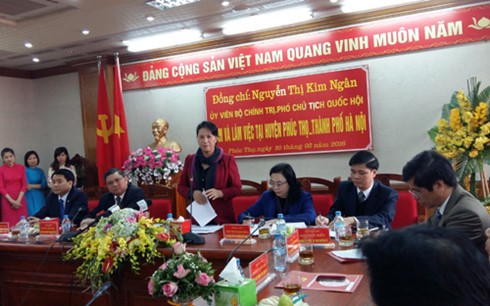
[(208, 229), (203, 214), (349, 254)]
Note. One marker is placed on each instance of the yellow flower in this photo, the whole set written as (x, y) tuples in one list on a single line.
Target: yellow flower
[(455, 119)]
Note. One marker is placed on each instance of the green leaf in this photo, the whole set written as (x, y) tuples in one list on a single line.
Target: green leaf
[(433, 133)]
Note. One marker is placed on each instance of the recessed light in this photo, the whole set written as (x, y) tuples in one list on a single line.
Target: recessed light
[(35, 60), (333, 1), (150, 18), (28, 44), (225, 3), (85, 31)]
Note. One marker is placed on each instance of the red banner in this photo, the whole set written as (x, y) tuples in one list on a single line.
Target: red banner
[(324, 112), (388, 36)]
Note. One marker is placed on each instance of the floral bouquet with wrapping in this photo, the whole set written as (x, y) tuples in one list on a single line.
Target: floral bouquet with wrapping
[(463, 132), (152, 166), (127, 236), (183, 278)]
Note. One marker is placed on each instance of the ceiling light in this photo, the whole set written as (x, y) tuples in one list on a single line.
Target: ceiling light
[(28, 44), (225, 3), (35, 60), (350, 6), (167, 4), (85, 31), (333, 1), (163, 40), (267, 20), (150, 18)]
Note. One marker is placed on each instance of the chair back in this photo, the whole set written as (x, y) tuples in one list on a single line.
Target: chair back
[(322, 191)]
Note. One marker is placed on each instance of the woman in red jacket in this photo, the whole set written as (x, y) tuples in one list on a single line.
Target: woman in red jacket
[(211, 174)]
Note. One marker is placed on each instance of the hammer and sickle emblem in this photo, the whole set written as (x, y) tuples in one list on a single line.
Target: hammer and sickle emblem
[(104, 132)]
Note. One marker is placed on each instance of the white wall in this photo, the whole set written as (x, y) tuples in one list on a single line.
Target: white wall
[(41, 115), (407, 93)]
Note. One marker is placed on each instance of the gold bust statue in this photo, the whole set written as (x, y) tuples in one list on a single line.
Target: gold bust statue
[(159, 128)]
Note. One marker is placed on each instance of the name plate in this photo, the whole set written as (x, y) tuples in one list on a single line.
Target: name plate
[(236, 231), (314, 235), (49, 227), (181, 227), (4, 228), (292, 241), (259, 268)]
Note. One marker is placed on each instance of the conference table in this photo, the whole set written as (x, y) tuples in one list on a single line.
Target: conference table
[(35, 273)]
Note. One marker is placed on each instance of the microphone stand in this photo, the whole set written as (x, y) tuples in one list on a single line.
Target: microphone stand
[(99, 292), (262, 223)]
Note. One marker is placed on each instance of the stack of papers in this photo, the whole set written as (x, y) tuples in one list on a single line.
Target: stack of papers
[(351, 255)]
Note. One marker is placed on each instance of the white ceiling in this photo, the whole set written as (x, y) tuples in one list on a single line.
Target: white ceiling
[(54, 26)]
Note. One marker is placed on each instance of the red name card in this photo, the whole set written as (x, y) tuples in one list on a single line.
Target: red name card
[(4, 228), (292, 242), (182, 227), (259, 268), (314, 235), (49, 227), (236, 231)]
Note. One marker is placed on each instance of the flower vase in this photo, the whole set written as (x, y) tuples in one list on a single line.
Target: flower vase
[(183, 302)]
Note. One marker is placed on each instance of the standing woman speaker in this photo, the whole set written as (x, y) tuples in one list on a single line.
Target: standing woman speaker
[(210, 174)]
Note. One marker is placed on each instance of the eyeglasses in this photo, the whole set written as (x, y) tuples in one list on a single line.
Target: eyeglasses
[(415, 192), (277, 184)]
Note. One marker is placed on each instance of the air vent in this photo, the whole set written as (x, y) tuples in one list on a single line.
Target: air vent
[(17, 10)]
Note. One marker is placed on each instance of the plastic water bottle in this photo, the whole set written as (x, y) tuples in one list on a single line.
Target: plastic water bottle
[(240, 268), (65, 225), (23, 228), (168, 222), (338, 225), (281, 225), (279, 252)]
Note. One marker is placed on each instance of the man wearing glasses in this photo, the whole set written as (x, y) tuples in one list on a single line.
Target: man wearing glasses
[(362, 197), (433, 183)]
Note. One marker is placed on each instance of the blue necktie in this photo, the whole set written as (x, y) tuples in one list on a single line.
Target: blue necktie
[(62, 208), (438, 216)]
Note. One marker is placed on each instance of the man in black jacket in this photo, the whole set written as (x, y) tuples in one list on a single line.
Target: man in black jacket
[(121, 193), (64, 199)]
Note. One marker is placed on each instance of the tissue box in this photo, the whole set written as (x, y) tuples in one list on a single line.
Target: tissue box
[(238, 294), (182, 227)]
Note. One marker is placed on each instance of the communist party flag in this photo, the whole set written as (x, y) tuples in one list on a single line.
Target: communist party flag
[(120, 142), (104, 130)]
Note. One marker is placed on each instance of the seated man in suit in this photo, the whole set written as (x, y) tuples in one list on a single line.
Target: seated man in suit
[(64, 199), (121, 192), (363, 197), (433, 183), (425, 266)]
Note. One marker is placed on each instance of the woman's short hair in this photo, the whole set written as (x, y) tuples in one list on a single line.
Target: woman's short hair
[(28, 154), (208, 125), (7, 150)]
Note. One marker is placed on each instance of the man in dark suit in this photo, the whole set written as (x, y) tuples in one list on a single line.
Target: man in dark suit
[(363, 197), (64, 199), (433, 183), (121, 193)]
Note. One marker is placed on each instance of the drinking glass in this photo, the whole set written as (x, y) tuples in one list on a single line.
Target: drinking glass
[(306, 254), (346, 237), (292, 283), (363, 229)]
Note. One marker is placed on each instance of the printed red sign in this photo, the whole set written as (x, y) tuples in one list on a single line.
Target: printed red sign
[(292, 241), (49, 227), (236, 231), (259, 268), (389, 36), (323, 112), (315, 235), (4, 228)]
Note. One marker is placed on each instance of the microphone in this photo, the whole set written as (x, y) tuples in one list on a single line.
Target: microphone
[(261, 223), (105, 286)]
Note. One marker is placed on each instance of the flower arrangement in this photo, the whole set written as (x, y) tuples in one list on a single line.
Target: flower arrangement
[(125, 236), (463, 133), (152, 166), (184, 277)]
